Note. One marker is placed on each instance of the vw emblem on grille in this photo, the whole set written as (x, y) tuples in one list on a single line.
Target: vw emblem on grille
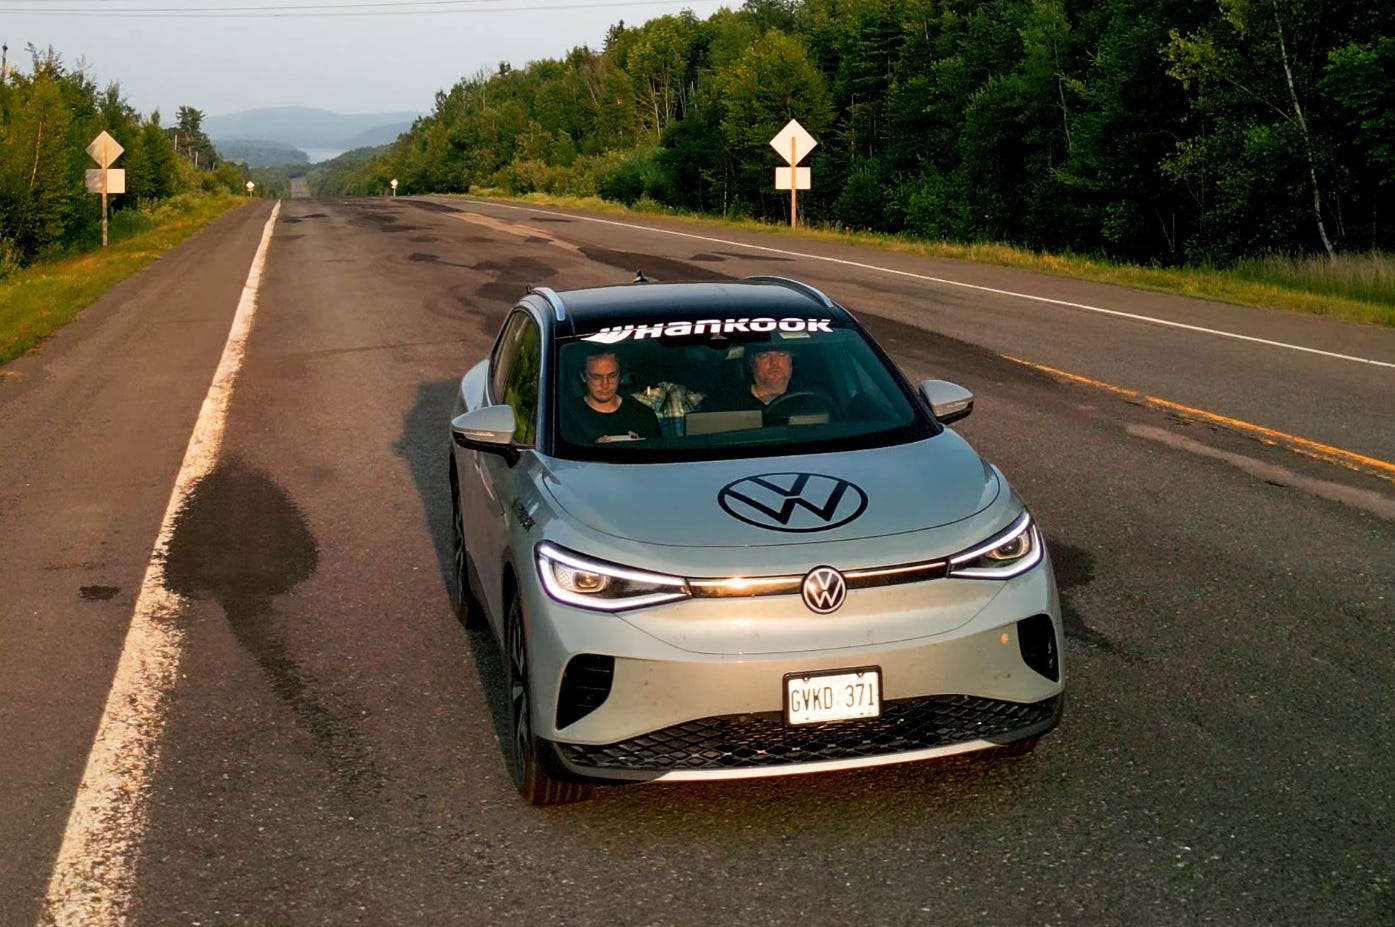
[(824, 590), (795, 502)]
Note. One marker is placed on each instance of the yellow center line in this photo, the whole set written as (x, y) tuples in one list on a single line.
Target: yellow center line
[(1373, 466)]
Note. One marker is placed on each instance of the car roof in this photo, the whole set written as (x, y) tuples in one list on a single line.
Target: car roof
[(584, 310)]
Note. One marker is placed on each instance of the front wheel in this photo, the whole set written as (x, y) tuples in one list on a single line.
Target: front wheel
[(529, 777)]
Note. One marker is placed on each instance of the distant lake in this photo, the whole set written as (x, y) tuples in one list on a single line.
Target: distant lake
[(316, 155)]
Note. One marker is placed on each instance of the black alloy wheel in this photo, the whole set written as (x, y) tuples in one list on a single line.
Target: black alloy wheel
[(533, 783)]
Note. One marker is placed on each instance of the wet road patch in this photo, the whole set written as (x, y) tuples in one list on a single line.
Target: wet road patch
[(239, 539), (98, 593), (1074, 568), (501, 291), (424, 257), (524, 269), (242, 540), (432, 207), (655, 268), (763, 257)]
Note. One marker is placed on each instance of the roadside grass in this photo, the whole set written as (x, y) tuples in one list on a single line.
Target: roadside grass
[(41, 298), (1353, 287)]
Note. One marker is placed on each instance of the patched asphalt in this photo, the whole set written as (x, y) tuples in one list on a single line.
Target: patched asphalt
[(332, 751)]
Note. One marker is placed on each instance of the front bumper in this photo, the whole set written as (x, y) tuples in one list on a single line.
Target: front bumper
[(675, 712), (744, 746)]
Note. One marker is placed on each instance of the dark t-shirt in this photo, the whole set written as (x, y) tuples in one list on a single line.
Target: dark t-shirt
[(733, 400), (582, 424)]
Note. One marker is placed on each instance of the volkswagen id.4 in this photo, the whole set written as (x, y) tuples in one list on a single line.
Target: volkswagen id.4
[(718, 534)]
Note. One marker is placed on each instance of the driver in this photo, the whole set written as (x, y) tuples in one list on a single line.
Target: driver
[(769, 370)]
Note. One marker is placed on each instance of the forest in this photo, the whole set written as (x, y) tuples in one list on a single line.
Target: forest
[(48, 116), (1159, 132)]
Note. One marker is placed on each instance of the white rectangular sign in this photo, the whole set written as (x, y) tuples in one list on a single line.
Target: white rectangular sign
[(803, 177), (116, 180)]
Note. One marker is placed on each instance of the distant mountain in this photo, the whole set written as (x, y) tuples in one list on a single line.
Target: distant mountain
[(302, 127), (380, 135), (260, 152)]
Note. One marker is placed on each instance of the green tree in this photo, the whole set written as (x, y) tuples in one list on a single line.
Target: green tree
[(773, 82), (1360, 80), (189, 140), (39, 200), (152, 169), (1255, 71), (656, 57)]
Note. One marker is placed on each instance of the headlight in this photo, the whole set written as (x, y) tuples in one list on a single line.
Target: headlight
[(588, 583), (1003, 556)]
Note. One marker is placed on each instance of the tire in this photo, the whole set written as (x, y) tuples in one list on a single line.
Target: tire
[(532, 781), (462, 599)]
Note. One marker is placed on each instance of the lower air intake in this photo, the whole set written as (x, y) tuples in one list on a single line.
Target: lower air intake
[(585, 687), (764, 740)]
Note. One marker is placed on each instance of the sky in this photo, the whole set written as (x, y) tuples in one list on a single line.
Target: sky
[(349, 56)]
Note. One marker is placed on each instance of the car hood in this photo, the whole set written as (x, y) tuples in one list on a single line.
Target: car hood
[(757, 502)]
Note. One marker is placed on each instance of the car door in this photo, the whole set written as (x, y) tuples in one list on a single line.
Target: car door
[(514, 377)]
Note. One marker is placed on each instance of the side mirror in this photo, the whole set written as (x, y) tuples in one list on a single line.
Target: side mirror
[(489, 429), (949, 402)]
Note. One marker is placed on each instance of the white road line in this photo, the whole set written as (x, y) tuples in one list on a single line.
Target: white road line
[(92, 879), (1148, 319)]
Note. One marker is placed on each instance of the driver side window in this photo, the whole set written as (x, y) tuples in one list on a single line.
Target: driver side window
[(514, 383)]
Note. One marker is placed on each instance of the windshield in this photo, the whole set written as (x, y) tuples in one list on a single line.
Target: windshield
[(691, 396)]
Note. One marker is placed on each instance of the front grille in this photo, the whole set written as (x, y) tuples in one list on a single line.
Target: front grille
[(764, 740)]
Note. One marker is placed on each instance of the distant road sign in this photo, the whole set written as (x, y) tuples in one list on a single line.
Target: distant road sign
[(803, 178), (793, 142), (116, 180), (104, 150)]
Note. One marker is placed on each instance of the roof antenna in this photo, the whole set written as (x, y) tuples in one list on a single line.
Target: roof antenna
[(640, 278)]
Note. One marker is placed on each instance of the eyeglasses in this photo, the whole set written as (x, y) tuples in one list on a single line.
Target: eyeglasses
[(772, 355), (613, 377)]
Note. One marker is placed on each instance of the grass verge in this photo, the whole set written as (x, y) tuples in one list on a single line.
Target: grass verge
[(40, 299), (1354, 288)]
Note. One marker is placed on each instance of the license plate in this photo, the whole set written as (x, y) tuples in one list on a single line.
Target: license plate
[(840, 696)]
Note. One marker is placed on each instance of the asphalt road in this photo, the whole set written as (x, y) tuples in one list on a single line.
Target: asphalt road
[(330, 753)]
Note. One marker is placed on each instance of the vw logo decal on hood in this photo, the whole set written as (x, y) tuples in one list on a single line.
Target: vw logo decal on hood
[(824, 590), (793, 501)]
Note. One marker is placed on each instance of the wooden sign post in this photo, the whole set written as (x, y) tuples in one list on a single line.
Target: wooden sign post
[(104, 150), (793, 144)]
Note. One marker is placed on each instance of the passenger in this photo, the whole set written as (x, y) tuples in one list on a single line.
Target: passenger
[(602, 414)]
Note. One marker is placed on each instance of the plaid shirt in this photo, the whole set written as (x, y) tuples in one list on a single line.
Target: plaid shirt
[(670, 402)]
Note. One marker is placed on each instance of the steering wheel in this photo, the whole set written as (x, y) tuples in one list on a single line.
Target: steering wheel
[(820, 403)]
